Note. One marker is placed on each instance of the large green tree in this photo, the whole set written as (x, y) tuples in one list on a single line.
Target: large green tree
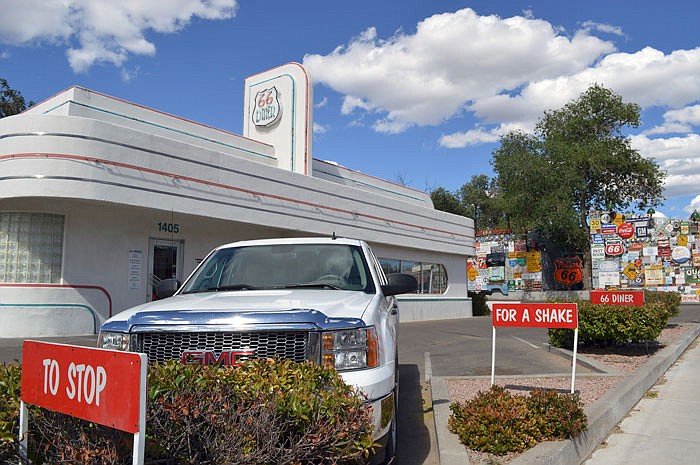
[(447, 201), (577, 159), (11, 101), (482, 200), (478, 199)]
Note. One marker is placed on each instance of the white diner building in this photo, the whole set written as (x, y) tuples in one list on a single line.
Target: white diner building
[(100, 198)]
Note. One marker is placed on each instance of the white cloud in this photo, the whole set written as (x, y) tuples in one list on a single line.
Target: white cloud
[(452, 60), (506, 73), (679, 156), (690, 115), (129, 75), (351, 103), (470, 137), (678, 121), (4, 55), (323, 103), (600, 27), (102, 31), (320, 128), (693, 205)]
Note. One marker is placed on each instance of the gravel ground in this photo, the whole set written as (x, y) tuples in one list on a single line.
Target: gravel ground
[(625, 359)]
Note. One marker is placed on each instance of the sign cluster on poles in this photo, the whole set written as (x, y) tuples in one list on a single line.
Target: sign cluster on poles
[(107, 387), (534, 315)]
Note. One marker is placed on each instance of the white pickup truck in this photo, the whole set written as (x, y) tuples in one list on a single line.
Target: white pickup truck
[(321, 299)]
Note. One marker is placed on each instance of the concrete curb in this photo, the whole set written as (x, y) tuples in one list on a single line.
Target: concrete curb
[(603, 415)]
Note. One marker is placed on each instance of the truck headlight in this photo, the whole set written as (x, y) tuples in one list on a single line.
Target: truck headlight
[(113, 341), (350, 349)]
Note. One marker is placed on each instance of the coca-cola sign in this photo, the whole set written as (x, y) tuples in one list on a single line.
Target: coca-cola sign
[(625, 230)]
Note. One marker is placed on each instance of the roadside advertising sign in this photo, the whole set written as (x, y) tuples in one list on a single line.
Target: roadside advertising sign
[(533, 262), (107, 387), (568, 270), (631, 271), (608, 228), (680, 254), (534, 315), (654, 275), (472, 273), (641, 230), (597, 252), (623, 298), (625, 230), (614, 248)]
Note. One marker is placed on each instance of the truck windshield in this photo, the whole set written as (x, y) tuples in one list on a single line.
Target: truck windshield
[(283, 266)]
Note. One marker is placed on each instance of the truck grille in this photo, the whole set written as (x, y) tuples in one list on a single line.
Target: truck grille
[(162, 346)]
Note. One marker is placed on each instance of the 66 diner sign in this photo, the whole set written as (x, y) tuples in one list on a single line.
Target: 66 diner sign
[(268, 109)]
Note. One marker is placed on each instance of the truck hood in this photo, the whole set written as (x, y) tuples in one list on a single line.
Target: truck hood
[(319, 308)]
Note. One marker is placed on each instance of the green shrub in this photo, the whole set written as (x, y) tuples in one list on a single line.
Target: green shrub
[(262, 412), (10, 382), (616, 324), (498, 423), (479, 307), (671, 301)]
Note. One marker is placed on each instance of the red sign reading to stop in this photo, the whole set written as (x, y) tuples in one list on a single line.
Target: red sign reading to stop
[(103, 386)]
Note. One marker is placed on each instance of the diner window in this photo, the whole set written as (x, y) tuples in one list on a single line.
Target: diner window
[(431, 277), (31, 247)]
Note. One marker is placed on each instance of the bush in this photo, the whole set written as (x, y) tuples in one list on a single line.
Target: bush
[(602, 325), (479, 307), (498, 423), (671, 301), (262, 412), (10, 382)]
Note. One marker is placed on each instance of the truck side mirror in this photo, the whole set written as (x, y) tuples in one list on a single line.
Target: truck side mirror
[(167, 288), (399, 283)]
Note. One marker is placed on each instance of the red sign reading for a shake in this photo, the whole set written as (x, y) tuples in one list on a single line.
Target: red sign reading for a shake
[(535, 315), (98, 385)]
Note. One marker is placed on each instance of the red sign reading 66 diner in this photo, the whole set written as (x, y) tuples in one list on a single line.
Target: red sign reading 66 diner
[(98, 385)]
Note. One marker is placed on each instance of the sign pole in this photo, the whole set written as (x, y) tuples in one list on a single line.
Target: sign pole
[(573, 365), (493, 356), (23, 427), (140, 435)]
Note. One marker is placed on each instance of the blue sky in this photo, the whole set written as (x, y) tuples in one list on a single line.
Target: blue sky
[(414, 91)]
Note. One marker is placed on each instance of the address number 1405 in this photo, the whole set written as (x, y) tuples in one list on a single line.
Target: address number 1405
[(169, 227)]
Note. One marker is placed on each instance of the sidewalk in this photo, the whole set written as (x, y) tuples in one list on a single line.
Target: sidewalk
[(666, 429)]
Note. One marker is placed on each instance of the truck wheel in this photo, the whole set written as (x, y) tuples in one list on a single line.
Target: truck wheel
[(392, 445)]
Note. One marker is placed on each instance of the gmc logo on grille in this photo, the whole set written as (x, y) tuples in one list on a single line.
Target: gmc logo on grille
[(232, 358)]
